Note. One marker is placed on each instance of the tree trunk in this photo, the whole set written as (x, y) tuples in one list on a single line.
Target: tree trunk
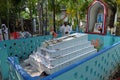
[(118, 30), (8, 19), (42, 19), (113, 7), (38, 18), (0, 76), (46, 23), (0, 23), (53, 2), (40, 10), (112, 17)]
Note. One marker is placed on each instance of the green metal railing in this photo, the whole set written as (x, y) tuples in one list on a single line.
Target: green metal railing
[(4, 67), (22, 48), (98, 66)]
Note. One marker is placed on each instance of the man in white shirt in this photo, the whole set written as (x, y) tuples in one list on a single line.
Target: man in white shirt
[(65, 29)]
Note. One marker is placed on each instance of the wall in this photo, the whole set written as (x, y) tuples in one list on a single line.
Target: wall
[(3, 64), (94, 67), (22, 48)]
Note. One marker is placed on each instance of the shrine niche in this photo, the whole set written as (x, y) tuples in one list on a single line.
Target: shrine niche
[(96, 18)]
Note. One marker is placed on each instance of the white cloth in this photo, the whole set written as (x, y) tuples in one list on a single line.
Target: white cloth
[(21, 34), (26, 34)]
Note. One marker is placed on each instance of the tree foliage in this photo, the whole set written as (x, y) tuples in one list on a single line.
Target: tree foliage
[(112, 4), (76, 9)]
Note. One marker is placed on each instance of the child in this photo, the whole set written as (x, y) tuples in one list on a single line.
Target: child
[(53, 33)]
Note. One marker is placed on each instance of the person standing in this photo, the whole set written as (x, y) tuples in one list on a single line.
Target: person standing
[(53, 33), (65, 29), (5, 32)]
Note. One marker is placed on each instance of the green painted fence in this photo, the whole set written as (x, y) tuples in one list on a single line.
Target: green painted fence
[(14, 74), (96, 67), (22, 48), (4, 67)]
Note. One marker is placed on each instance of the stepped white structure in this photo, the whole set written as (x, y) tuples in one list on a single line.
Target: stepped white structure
[(57, 54)]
